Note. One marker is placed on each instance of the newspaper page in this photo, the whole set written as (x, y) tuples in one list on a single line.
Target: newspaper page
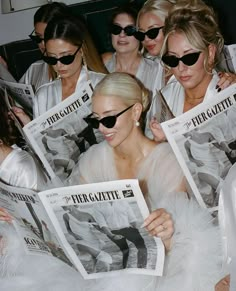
[(228, 59), (31, 221), (22, 94), (204, 142), (60, 135), (101, 227), (162, 110)]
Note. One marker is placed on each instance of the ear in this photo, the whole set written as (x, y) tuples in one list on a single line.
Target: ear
[(212, 54), (137, 111)]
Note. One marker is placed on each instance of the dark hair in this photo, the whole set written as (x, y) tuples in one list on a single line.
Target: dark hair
[(48, 11), (9, 134), (128, 9), (72, 29), (68, 28)]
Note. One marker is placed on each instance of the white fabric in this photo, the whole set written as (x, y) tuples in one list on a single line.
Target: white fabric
[(191, 265), (49, 95), (175, 96), (150, 73), (194, 262), (19, 170), (227, 218), (36, 75)]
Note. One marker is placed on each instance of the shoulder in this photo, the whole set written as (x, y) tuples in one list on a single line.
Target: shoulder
[(95, 77), (151, 64), (106, 57)]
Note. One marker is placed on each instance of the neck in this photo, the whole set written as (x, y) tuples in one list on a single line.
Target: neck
[(128, 62), (134, 148), (69, 84)]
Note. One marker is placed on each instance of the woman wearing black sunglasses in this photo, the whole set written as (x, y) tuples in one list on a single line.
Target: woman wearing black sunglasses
[(127, 56), (191, 50), (39, 72), (118, 104)]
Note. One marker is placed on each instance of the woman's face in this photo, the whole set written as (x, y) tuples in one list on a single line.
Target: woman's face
[(103, 106), (123, 43), (58, 48), (191, 77), (39, 29), (147, 21)]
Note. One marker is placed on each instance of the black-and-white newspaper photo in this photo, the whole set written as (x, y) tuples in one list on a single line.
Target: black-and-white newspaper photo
[(22, 94), (204, 142), (60, 135), (31, 221), (101, 227)]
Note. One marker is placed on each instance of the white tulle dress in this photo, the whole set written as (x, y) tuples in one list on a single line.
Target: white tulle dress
[(193, 264)]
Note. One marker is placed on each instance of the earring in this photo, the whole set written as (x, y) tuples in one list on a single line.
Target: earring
[(137, 123)]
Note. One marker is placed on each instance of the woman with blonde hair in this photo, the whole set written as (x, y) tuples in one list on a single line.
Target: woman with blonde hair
[(191, 49), (119, 104)]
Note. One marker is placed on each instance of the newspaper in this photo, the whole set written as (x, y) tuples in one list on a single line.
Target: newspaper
[(22, 94), (31, 221), (162, 110), (228, 59), (204, 142), (76, 224), (60, 135)]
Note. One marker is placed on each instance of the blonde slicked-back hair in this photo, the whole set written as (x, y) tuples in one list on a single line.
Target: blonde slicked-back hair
[(124, 86), (160, 8), (198, 22)]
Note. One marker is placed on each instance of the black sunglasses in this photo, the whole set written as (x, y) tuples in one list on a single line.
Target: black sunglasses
[(129, 30), (151, 33), (35, 38), (188, 60), (65, 60), (108, 121)]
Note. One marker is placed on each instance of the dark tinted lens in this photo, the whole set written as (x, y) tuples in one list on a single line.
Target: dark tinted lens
[(190, 59), (67, 60), (92, 122), (130, 30), (36, 38), (108, 121), (153, 33), (170, 61), (139, 35), (116, 29), (50, 60)]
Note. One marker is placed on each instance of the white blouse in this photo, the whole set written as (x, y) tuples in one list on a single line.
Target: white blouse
[(150, 73), (50, 94), (36, 75)]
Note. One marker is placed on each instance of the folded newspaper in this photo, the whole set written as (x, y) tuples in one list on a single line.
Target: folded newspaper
[(21, 94), (204, 142), (95, 228), (60, 135)]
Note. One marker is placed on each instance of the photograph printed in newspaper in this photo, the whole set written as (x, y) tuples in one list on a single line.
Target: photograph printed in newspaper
[(60, 135), (32, 223), (204, 142), (22, 94), (101, 227)]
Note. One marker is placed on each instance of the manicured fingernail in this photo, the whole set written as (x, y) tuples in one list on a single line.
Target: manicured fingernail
[(219, 89), (217, 86)]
